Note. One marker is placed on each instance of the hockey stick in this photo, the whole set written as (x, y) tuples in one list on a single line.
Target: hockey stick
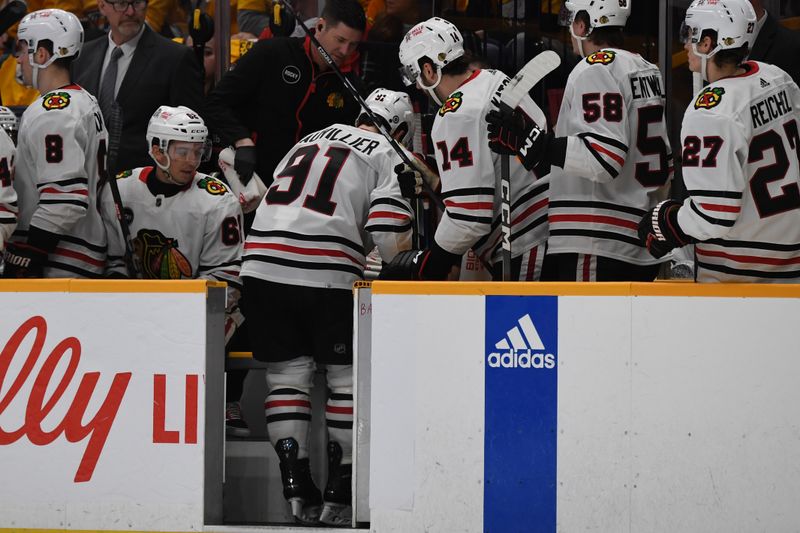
[(421, 168), (131, 259), (528, 76)]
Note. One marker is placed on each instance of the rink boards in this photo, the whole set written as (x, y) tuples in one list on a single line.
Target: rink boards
[(604, 407)]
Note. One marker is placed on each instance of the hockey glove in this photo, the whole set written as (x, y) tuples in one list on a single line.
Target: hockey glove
[(244, 162), (433, 264), (410, 180), (23, 261), (507, 130), (659, 230), (513, 133)]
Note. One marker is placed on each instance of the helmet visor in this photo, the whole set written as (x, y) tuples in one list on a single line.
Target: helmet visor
[(688, 34), (190, 152), (409, 75)]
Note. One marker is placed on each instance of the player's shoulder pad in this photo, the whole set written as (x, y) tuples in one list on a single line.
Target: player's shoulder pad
[(211, 185), (56, 100), (709, 98), (601, 57)]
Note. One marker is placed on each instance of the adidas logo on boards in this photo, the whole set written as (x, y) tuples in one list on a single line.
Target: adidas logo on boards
[(526, 349)]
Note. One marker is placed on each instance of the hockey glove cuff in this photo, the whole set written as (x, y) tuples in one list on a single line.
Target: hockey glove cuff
[(23, 261), (433, 264), (244, 162), (659, 230)]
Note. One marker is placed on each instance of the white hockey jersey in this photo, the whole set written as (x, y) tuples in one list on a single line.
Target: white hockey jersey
[(196, 233), (61, 152), (740, 164), (470, 174), (334, 194), (619, 161), (8, 196)]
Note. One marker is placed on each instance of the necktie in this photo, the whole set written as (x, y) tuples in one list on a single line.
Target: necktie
[(111, 110), (106, 96)]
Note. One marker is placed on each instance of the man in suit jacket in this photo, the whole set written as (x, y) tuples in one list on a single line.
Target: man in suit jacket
[(775, 43), (149, 72)]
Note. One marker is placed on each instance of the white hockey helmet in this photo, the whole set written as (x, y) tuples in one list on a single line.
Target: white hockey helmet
[(734, 22), (9, 122), (436, 39), (395, 109), (176, 124), (601, 12), (60, 27)]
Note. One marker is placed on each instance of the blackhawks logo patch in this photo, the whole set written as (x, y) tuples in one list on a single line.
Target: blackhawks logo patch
[(451, 104), (335, 101), (160, 256), (710, 97), (58, 100), (212, 186), (124, 174), (603, 57)]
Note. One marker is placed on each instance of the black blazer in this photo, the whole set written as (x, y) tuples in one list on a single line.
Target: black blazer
[(161, 72), (778, 46)]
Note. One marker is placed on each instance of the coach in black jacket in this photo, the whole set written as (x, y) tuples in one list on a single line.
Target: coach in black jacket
[(282, 89), (775, 44), (159, 72)]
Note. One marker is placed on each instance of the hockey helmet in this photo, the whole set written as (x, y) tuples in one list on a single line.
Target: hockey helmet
[(176, 124), (395, 109), (60, 27), (438, 40), (601, 12), (734, 22), (9, 122)]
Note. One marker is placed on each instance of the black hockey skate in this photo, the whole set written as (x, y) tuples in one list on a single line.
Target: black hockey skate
[(298, 487), (338, 509)]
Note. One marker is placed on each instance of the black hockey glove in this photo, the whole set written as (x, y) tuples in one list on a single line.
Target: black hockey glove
[(513, 133), (244, 163), (23, 261), (410, 180), (433, 264), (507, 130), (659, 230)]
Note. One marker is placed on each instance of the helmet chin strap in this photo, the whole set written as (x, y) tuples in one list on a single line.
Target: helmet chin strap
[(580, 39), (165, 168), (430, 89), (703, 61)]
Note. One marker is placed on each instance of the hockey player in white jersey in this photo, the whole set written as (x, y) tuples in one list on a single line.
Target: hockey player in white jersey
[(740, 157), (60, 158), (183, 224), (333, 195), (8, 196), (432, 57), (610, 154)]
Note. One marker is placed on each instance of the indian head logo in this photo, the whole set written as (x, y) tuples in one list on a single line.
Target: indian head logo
[(212, 186), (335, 101), (160, 256), (710, 97), (603, 57), (451, 104), (58, 100)]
